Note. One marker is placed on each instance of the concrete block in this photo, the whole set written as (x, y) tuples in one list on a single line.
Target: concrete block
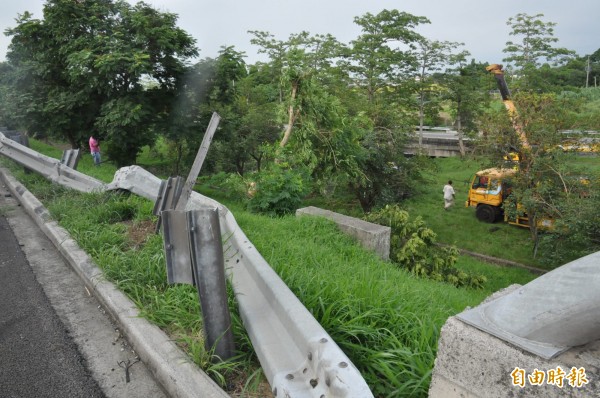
[(372, 236), (473, 363)]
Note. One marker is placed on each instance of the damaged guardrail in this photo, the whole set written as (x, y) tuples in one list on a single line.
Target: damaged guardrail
[(297, 355), (49, 167)]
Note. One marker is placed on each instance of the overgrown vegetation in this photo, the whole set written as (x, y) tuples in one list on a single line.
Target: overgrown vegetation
[(412, 246)]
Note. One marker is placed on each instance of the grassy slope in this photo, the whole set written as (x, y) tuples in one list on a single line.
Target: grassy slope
[(459, 226)]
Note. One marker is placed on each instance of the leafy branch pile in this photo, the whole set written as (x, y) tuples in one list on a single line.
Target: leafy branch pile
[(413, 247)]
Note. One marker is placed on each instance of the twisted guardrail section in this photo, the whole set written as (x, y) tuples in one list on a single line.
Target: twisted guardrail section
[(298, 356)]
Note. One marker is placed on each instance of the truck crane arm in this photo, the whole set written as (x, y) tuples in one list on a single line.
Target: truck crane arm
[(496, 70)]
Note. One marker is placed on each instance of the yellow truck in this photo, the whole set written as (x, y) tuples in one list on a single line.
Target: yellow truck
[(488, 191), (490, 188)]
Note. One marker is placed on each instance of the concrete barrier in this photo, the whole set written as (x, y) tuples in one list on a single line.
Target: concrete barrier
[(471, 363), (374, 237)]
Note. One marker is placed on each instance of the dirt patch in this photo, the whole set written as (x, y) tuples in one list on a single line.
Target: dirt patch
[(138, 232)]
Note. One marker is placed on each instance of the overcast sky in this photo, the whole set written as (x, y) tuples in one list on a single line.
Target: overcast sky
[(480, 25)]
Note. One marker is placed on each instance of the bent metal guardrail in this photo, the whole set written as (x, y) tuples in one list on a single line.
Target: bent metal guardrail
[(297, 355), (49, 167)]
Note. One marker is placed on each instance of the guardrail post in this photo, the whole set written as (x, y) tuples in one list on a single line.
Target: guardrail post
[(70, 158), (206, 251), (188, 187), (177, 247)]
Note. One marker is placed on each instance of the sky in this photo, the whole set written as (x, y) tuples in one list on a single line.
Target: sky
[(480, 25)]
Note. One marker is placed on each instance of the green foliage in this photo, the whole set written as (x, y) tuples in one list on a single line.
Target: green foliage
[(576, 210), (533, 48), (464, 86), (542, 187), (413, 247), (120, 121), (107, 68), (585, 116), (384, 174), (231, 185), (279, 191), (386, 320)]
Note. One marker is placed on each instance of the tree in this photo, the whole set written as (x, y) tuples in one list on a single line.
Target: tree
[(432, 57), (8, 111), (257, 105), (534, 48), (547, 186), (382, 64), (381, 57), (593, 68), (89, 62), (299, 63), (228, 147), (468, 101)]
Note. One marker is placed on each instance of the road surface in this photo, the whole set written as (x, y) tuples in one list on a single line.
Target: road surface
[(55, 339)]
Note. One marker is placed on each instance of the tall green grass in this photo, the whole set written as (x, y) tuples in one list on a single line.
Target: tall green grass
[(459, 226), (385, 319)]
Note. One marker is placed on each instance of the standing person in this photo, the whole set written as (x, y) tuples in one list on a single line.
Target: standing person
[(95, 150), (448, 195)]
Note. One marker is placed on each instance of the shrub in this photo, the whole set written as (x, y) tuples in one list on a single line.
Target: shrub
[(413, 247), (277, 191)]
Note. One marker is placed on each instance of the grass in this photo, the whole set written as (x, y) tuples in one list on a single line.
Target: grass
[(385, 319), (459, 226)]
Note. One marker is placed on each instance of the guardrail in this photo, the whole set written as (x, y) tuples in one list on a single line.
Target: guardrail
[(297, 355), (49, 167)]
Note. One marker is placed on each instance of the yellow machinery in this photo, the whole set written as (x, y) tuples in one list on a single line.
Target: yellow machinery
[(498, 73), (489, 188), (487, 192)]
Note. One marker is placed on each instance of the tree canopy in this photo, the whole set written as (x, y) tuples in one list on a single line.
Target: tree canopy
[(102, 67)]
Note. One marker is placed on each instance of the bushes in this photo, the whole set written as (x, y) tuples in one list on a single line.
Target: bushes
[(278, 191), (412, 246)]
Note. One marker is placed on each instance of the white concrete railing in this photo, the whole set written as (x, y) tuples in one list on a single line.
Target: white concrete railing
[(297, 355)]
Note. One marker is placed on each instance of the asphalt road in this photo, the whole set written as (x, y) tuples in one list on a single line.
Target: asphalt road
[(55, 339)]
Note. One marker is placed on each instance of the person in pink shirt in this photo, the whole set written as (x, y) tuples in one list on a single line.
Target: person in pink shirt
[(95, 150)]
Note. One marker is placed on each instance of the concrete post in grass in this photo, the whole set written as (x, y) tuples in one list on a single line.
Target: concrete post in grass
[(206, 252)]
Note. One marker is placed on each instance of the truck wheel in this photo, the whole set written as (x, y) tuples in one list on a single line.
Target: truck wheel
[(486, 213)]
